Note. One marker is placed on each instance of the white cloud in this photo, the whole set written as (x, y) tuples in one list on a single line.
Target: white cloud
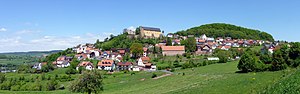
[(45, 43), (3, 29)]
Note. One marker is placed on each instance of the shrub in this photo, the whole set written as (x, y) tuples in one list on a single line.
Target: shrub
[(70, 70), (247, 63), (15, 88), (2, 77), (51, 85), (153, 75), (5, 85)]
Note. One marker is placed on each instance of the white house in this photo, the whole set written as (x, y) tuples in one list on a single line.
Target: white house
[(86, 64), (106, 65), (62, 61), (135, 68), (203, 37), (140, 62), (212, 58)]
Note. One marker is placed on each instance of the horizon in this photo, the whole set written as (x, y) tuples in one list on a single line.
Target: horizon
[(34, 25)]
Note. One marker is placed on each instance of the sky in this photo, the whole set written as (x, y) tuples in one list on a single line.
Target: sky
[(43, 25)]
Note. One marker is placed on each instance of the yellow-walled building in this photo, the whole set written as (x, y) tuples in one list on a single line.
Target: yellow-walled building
[(150, 32)]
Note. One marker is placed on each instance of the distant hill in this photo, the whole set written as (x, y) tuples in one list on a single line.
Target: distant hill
[(226, 30), (31, 53)]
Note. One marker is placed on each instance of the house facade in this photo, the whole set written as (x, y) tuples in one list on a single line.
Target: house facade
[(172, 50), (122, 66), (150, 32), (106, 65), (86, 64), (62, 61)]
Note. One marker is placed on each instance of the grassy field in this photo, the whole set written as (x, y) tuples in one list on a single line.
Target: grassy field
[(215, 78), (289, 83)]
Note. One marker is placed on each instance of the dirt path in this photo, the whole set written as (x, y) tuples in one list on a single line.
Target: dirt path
[(162, 76)]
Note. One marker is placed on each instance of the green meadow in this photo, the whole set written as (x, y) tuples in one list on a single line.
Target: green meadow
[(215, 78)]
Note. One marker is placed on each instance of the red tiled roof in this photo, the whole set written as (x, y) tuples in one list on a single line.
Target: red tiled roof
[(240, 42), (61, 58), (172, 48), (227, 47), (145, 49), (124, 63), (145, 58), (122, 51), (85, 63), (201, 40), (148, 64), (105, 63)]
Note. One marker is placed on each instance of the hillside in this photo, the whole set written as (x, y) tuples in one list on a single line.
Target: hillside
[(226, 30)]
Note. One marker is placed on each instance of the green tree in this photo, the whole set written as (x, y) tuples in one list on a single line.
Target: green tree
[(278, 62), (190, 44), (223, 56), (137, 31), (249, 62), (89, 81), (136, 49), (51, 85), (169, 42), (2, 78)]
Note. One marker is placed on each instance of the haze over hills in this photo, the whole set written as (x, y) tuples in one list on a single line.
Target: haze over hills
[(31, 53)]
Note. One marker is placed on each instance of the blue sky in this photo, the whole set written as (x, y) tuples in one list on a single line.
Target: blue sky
[(29, 25)]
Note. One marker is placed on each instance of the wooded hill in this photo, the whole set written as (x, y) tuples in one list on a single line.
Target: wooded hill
[(226, 30)]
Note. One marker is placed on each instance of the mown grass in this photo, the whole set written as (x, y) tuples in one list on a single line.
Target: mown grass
[(215, 78)]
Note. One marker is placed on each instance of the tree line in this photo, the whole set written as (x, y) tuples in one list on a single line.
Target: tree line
[(226, 30), (285, 55)]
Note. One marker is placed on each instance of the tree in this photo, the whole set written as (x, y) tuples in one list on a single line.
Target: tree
[(51, 85), (169, 42), (126, 57), (136, 49), (89, 81), (190, 44), (137, 31), (226, 30), (2, 78), (249, 62), (223, 56), (278, 62)]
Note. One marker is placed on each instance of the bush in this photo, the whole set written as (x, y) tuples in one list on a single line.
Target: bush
[(153, 75), (249, 63), (51, 85), (5, 85), (15, 88), (36, 86), (2, 77), (71, 70)]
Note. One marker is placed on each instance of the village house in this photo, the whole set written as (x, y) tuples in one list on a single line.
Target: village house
[(62, 61), (122, 66), (38, 66), (150, 32), (172, 50), (129, 31), (85, 64), (145, 52), (204, 49), (212, 58), (108, 65), (144, 62), (176, 41)]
